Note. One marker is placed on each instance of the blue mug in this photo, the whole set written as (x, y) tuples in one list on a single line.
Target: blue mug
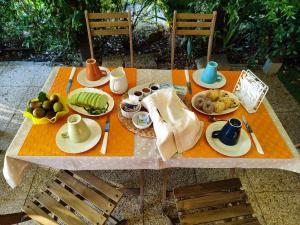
[(230, 133), (210, 74)]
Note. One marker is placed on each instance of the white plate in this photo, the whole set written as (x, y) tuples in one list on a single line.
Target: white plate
[(67, 146), (82, 110), (82, 79), (229, 110), (197, 75), (241, 148)]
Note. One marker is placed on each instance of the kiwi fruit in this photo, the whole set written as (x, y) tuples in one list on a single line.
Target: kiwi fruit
[(54, 98), (39, 112), (47, 105)]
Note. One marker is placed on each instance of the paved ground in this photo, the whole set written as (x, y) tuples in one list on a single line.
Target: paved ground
[(275, 194)]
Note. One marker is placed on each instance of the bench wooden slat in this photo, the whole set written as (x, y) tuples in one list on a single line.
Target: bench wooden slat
[(194, 16), (37, 214), (193, 32), (107, 15), (210, 200), (58, 210), (200, 189), (89, 194), (217, 214), (100, 185), (193, 24), (109, 32), (109, 24), (85, 210)]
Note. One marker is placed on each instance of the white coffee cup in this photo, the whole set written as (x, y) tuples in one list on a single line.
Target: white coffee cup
[(118, 82), (78, 131)]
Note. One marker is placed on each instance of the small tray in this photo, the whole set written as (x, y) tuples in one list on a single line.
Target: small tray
[(127, 123)]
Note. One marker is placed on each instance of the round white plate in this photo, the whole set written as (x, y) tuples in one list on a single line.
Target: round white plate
[(226, 111), (82, 79), (82, 110), (197, 75), (67, 146), (241, 148)]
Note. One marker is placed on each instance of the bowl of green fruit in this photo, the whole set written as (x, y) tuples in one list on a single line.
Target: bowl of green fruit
[(46, 108)]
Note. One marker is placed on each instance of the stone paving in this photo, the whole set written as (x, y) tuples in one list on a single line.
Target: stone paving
[(275, 194)]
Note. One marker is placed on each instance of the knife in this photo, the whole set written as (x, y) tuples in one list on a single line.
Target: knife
[(187, 78), (254, 138), (70, 79), (106, 129)]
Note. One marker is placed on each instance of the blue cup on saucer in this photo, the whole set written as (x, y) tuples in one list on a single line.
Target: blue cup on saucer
[(230, 133), (210, 74)]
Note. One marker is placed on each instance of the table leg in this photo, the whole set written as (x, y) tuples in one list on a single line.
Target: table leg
[(164, 188), (142, 183), (232, 172)]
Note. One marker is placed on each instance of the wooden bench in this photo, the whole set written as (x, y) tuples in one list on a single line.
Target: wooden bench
[(74, 198), (220, 202)]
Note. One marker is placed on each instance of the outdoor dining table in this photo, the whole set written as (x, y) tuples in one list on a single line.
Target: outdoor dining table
[(126, 150)]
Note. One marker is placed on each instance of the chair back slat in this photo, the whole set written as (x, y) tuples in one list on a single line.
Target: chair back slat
[(95, 33), (193, 24), (109, 24), (193, 32), (107, 15), (194, 16)]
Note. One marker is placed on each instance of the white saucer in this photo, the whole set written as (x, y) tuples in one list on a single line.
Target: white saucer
[(70, 147), (197, 75), (81, 78), (241, 148)]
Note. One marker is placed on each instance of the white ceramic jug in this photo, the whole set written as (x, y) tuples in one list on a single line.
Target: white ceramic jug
[(118, 82)]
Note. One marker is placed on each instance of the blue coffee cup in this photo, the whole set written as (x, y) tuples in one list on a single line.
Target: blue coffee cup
[(210, 74), (230, 133)]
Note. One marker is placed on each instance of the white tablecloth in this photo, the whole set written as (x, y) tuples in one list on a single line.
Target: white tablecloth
[(145, 152)]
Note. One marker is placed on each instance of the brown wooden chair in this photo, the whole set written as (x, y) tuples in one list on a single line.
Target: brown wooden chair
[(192, 24), (74, 198), (221, 202), (103, 24)]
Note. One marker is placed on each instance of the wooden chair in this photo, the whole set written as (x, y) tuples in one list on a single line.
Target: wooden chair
[(182, 25), (74, 198), (114, 23), (221, 202)]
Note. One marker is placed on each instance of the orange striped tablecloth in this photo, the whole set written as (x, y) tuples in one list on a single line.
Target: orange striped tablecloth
[(40, 140), (261, 122)]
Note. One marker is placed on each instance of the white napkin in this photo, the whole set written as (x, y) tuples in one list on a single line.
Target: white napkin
[(177, 128)]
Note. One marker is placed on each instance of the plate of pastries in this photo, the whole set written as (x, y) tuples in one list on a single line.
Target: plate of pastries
[(215, 102)]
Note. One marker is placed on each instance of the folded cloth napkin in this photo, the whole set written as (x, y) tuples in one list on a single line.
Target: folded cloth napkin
[(176, 127)]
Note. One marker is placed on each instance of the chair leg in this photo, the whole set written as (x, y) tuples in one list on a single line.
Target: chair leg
[(14, 218), (142, 183), (164, 188)]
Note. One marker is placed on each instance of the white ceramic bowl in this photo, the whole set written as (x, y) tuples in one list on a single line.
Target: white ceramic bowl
[(130, 114), (136, 120)]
